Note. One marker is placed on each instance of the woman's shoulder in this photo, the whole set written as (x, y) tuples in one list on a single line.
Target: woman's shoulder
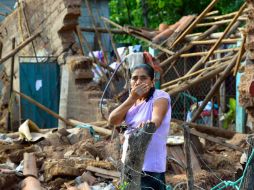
[(160, 94)]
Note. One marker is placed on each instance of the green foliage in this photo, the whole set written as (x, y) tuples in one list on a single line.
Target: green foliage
[(129, 12), (229, 117), (123, 186)]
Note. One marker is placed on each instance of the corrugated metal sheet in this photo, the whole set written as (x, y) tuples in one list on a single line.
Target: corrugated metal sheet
[(101, 8)]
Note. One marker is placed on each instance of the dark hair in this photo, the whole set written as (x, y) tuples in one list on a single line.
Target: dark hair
[(150, 72)]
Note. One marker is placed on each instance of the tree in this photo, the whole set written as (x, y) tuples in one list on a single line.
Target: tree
[(150, 13)]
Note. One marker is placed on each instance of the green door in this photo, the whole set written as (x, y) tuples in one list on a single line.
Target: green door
[(40, 81)]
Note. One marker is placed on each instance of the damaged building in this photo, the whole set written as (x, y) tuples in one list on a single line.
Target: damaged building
[(59, 83)]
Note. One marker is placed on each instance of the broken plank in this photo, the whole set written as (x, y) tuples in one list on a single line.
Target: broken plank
[(215, 131), (215, 140), (103, 171), (106, 176)]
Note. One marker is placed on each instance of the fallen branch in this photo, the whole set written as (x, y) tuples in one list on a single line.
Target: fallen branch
[(72, 123), (214, 131), (215, 140)]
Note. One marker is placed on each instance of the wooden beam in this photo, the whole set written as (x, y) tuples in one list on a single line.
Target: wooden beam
[(189, 75), (90, 12), (215, 87), (187, 47), (220, 17), (174, 89), (22, 45), (220, 22), (224, 33), (102, 30), (242, 50), (208, 42), (212, 13), (200, 17), (143, 39), (96, 128), (103, 171), (44, 108), (187, 145), (213, 131), (215, 140), (205, 53)]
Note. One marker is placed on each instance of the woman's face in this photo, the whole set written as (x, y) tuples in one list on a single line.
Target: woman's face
[(140, 76)]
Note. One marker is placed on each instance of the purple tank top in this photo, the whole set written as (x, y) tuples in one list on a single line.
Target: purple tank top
[(155, 156)]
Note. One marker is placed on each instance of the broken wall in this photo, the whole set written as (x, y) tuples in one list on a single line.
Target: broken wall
[(57, 21), (246, 98)]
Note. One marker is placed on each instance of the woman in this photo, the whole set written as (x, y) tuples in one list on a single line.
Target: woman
[(146, 104)]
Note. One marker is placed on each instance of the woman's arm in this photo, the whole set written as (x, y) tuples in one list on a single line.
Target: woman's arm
[(160, 108), (117, 115)]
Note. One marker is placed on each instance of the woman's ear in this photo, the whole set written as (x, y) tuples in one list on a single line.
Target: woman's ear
[(153, 83)]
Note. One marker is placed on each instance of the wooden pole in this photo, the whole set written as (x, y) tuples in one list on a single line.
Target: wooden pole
[(190, 75), (208, 42), (112, 42), (200, 17), (22, 45), (215, 87), (172, 90), (242, 50), (224, 33), (212, 13), (214, 131), (204, 59), (43, 108), (187, 144), (96, 128), (187, 47), (95, 29), (71, 122), (80, 39), (205, 53), (220, 22), (143, 39), (229, 15), (11, 86), (102, 30)]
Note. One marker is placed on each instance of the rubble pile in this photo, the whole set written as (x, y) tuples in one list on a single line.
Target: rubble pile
[(74, 159)]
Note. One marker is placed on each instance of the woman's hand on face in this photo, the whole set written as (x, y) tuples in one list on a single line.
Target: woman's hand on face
[(140, 90)]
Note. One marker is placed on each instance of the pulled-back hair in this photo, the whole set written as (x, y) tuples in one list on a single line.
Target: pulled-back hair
[(150, 72)]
